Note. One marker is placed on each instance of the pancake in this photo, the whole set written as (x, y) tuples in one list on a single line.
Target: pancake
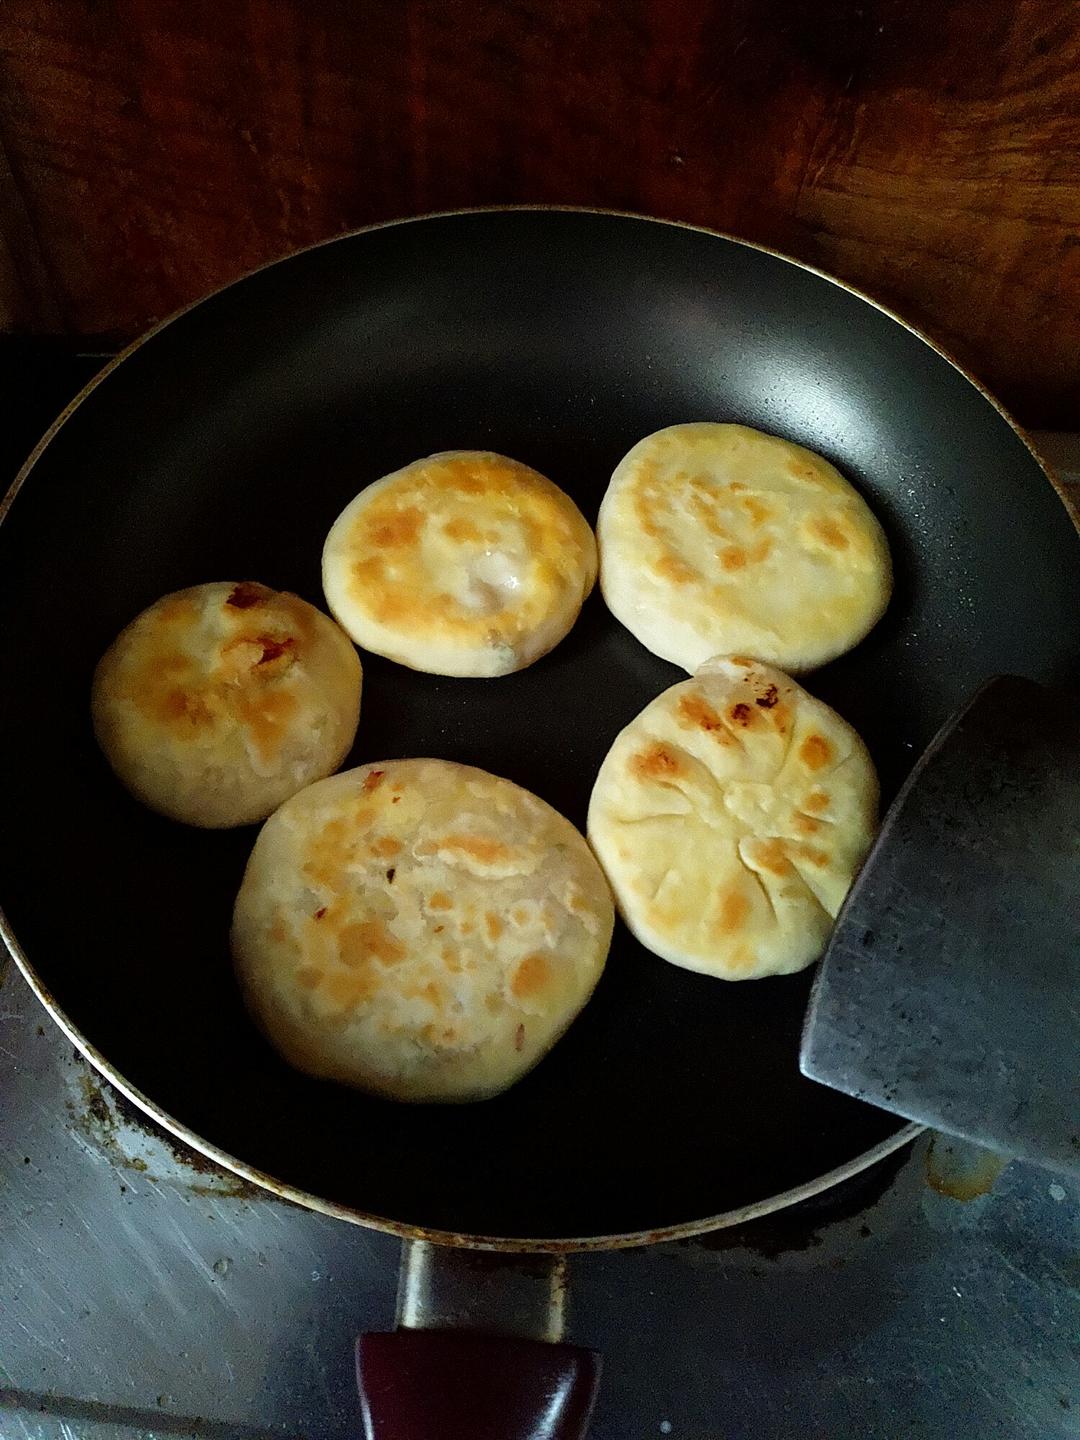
[(219, 702), (730, 818), (718, 539), (420, 929), (465, 563)]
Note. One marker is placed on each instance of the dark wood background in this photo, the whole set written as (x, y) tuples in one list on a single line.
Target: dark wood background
[(927, 150)]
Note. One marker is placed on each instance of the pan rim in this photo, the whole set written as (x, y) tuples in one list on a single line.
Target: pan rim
[(902, 1137), (405, 1230), (609, 213)]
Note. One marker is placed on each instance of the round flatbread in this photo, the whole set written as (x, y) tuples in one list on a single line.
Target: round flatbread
[(465, 563), (718, 539), (730, 818), (219, 702), (420, 929)]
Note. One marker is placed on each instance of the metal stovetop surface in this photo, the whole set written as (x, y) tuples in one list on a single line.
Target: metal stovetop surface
[(144, 1294)]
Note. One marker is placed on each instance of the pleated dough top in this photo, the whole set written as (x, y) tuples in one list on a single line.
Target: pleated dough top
[(730, 817)]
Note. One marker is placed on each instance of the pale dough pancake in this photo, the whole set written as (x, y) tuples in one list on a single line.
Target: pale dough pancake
[(718, 539), (219, 702), (730, 817), (419, 929), (465, 563)]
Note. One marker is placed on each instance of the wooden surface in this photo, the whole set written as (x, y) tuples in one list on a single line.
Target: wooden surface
[(929, 152)]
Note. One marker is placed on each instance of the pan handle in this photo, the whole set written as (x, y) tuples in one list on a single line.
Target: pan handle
[(477, 1352)]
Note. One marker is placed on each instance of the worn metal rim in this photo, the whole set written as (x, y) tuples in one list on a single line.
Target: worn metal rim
[(904, 1136)]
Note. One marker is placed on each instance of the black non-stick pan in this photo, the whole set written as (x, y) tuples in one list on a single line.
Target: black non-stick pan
[(222, 447)]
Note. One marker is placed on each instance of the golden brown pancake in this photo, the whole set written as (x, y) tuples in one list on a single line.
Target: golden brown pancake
[(419, 929), (219, 702), (718, 539), (465, 563), (730, 818)]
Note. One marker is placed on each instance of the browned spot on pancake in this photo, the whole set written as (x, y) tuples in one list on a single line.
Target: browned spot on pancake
[(372, 781), (308, 977), (531, 976), (734, 908), (829, 532), (806, 825), (736, 559), (350, 987), (450, 957), (494, 925), (471, 477), (645, 518), (368, 572), (815, 751), (386, 847), (771, 856), (319, 913), (742, 715), (656, 762), (327, 853), (519, 915), (274, 649), (185, 710), (805, 471), (671, 567), (818, 858), (768, 698), (742, 661), (459, 528), (177, 613), (267, 716), (705, 510), (484, 848), (736, 487), (247, 594), (519, 1038), (366, 940), (743, 958), (816, 801), (694, 711), (390, 530), (757, 511), (439, 900), (278, 931), (779, 716)]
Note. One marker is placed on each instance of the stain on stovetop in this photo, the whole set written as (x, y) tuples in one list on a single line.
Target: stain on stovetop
[(127, 1137), (801, 1227)]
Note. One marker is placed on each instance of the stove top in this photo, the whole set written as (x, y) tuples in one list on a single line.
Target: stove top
[(147, 1294)]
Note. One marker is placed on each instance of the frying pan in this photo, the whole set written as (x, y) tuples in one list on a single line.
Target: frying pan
[(223, 445)]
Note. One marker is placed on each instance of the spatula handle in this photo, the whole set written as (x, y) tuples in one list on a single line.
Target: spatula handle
[(444, 1385)]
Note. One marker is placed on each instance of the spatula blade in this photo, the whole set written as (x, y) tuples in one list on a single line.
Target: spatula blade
[(950, 990)]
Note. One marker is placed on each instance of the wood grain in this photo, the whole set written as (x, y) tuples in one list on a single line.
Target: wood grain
[(925, 151)]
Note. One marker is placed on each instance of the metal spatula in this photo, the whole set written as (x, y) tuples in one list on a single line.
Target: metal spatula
[(950, 991)]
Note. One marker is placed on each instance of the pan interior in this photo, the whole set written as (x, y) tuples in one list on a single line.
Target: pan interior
[(224, 448)]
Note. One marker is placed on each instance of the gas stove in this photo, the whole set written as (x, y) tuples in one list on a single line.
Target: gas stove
[(147, 1294)]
